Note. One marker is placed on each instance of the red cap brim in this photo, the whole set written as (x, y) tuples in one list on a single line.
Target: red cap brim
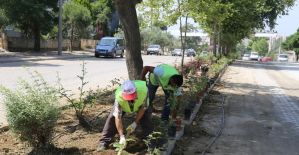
[(129, 97)]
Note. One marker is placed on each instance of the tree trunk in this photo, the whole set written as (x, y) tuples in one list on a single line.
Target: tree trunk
[(71, 40), (128, 18), (219, 51), (36, 34), (185, 38), (214, 40)]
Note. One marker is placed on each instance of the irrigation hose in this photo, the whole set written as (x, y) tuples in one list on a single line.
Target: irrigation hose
[(219, 131)]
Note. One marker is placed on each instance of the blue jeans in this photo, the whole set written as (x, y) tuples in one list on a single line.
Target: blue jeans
[(152, 89)]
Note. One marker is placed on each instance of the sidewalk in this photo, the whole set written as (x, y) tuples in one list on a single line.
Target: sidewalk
[(7, 57)]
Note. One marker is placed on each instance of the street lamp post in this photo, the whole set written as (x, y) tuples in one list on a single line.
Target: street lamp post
[(60, 28)]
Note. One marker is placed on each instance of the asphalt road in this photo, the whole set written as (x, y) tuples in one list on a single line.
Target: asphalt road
[(261, 111), (100, 71)]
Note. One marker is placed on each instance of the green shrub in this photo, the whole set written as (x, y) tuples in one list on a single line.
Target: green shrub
[(31, 110)]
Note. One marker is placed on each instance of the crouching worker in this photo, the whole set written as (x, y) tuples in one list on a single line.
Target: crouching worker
[(170, 80), (130, 97)]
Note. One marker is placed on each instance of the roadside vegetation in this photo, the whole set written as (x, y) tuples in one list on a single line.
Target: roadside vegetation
[(36, 118), (33, 112)]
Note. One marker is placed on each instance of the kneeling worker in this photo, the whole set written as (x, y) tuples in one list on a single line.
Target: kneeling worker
[(130, 97), (170, 80)]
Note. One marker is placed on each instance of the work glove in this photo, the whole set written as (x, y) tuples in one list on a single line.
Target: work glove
[(122, 140), (131, 128)]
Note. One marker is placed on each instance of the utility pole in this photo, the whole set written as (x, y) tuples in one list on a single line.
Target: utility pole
[(60, 28)]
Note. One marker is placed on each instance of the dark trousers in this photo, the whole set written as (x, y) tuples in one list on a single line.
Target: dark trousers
[(152, 89), (110, 129)]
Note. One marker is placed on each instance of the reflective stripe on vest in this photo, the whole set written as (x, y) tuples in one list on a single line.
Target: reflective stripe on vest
[(164, 79), (141, 96)]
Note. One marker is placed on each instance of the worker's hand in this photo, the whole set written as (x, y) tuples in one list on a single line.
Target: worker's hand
[(122, 140), (131, 128)]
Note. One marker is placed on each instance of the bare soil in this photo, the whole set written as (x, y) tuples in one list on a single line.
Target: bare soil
[(71, 138)]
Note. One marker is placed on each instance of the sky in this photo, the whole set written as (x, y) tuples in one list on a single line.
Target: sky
[(286, 25)]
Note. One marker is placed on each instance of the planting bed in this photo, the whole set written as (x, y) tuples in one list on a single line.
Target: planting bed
[(70, 138)]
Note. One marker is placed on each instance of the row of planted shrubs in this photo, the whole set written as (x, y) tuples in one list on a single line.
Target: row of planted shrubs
[(202, 71), (33, 109)]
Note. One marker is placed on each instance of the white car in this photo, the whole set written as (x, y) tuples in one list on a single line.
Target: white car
[(246, 56), (282, 57), (154, 49), (176, 52), (254, 56)]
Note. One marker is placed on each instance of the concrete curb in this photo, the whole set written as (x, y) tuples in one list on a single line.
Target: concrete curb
[(171, 141)]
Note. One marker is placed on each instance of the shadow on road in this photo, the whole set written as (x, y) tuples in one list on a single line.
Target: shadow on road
[(22, 63), (267, 65)]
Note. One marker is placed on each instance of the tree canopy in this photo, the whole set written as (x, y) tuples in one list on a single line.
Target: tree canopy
[(76, 18), (261, 46), (292, 43), (237, 19), (3, 19), (32, 17), (155, 13)]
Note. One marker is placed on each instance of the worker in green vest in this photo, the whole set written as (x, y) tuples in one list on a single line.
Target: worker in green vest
[(170, 80), (130, 97)]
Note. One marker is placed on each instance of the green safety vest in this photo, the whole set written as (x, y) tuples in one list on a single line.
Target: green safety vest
[(139, 101), (164, 79)]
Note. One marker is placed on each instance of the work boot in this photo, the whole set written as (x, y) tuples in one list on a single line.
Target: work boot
[(101, 147)]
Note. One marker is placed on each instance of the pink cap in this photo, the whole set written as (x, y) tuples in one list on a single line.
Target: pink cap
[(128, 90)]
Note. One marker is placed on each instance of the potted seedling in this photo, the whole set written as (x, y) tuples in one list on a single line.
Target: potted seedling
[(171, 130), (187, 113)]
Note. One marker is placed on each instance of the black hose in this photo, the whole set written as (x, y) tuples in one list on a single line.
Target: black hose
[(219, 131)]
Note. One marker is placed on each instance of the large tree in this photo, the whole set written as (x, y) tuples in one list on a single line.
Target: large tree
[(128, 18), (292, 43), (34, 17), (155, 35), (260, 45), (101, 12), (76, 18), (236, 19), (3, 20)]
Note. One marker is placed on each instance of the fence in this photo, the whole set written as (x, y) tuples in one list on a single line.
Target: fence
[(21, 44), (88, 43)]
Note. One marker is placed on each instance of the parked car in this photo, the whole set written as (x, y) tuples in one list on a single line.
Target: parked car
[(190, 52), (254, 56), (154, 49), (246, 56), (282, 57), (176, 52), (265, 59), (110, 46)]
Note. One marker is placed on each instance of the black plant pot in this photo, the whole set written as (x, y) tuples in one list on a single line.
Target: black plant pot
[(171, 131), (187, 113), (192, 104)]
